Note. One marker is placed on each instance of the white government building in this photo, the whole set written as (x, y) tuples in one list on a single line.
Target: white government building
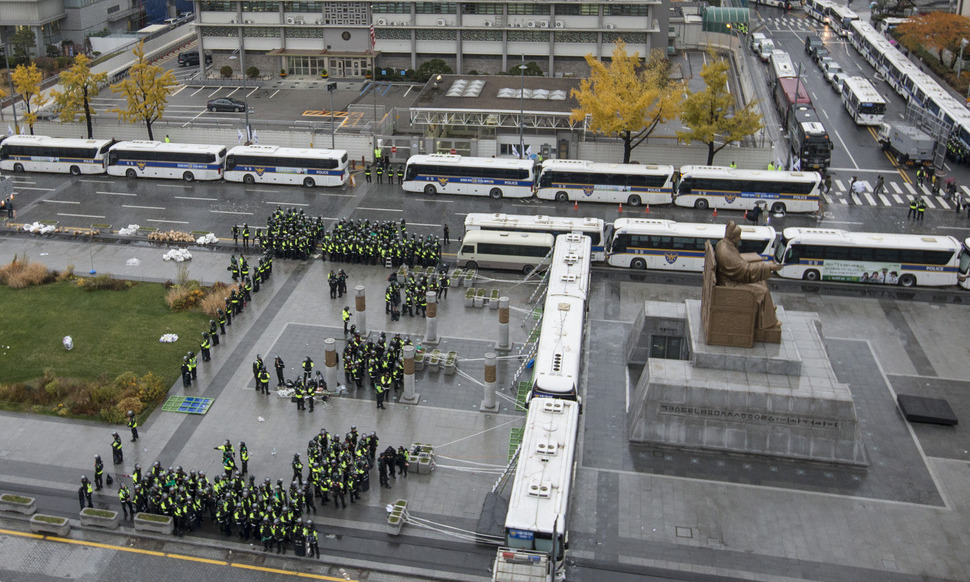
[(304, 38)]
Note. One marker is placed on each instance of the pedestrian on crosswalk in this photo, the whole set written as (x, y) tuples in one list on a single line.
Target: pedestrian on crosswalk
[(828, 183), (879, 185)]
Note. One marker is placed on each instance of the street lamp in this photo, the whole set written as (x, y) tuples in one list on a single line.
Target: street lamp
[(331, 87), (522, 68), (242, 66)]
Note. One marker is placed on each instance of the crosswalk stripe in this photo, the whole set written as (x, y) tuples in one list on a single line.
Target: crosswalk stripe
[(840, 184), (910, 188), (828, 200), (885, 201), (896, 187), (843, 201), (898, 198), (965, 189), (942, 202), (869, 198), (929, 203)]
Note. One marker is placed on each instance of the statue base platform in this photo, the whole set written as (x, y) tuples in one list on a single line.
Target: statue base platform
[(772, 399)]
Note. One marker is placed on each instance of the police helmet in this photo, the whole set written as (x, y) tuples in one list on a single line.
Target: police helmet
[(114, 434), (137, 467), (96, 457)]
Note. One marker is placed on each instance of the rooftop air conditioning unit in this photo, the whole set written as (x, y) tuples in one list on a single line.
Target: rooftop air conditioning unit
[(233, 21), (532, 24), (298, 22), (441, 22), (517, 25), (249, 22), (611, 26), (560, 24), (289, 21), (318, 21), (543, 24), (381, 22), (488, 24)]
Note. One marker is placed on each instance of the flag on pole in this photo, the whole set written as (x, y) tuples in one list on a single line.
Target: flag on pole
[(515, 151), (373, 37), (239, 136), (9, 130)]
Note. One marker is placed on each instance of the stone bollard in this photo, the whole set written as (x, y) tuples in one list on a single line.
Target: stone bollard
[(489, 404), (330, 362), (409, 396), (360, 305), (503, 324), (431, 319)]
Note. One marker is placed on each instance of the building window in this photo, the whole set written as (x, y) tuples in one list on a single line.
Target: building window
[(571, 36), (261, 31), (528, 36), (393, 33), (305, 7), (626, 10), (305, 32), (217, 6), (491, 35), (628, 37), (435, 7), (220, 31), (480, 8), (435, 34), (528, 9), (258, 6), (391, 8), (577, 9)]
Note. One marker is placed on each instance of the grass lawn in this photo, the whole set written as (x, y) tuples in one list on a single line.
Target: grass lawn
[(113, 332)]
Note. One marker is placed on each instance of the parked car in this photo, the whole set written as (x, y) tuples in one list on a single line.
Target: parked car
[(820, 52), (190, 58), (812, 41), (836, 81), (226, 104)]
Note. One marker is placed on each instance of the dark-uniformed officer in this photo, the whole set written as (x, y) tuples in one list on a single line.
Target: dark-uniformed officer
[(119, 456), (244, 457), (84, 493), (133, 425), (124, 496), (279, 365), (345, 315), (367, 173), (214, 332), (98, 473), (204, 347)]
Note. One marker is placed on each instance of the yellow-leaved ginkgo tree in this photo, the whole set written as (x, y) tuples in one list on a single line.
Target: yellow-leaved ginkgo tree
[(146, 90), (26, 82), (79, 86), (627, 97)]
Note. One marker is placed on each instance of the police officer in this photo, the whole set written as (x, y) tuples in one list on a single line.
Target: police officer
[(222, 322), (279, 365), (133, 425), (264, 381), (307, 369), (920, 208), (346, 315), (245, 234), (204, 347), (124, 496), (400, 175), (119, 456), (297, 469), (367, 173), (257, 366), (84, 493), (193, 364), (244, 457), (98, 473), (214, 332), (235, 234), (913, 205), (380, 174)]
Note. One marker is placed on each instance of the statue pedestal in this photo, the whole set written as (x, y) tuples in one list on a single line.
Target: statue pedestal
[(772, 399)]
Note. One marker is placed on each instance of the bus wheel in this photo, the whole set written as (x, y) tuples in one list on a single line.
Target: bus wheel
[(811, 275), (495, 194), (249, 179), (907, 280), (18, 168), (471, 265), (430, 190), (188, 176), (638, 264), (527, 269), (633, 201), (778, 208), (562, 197), (701, 204), (131, 173), (75, 171), (309, 183)]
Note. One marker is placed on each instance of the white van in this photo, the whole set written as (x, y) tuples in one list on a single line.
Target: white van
[(756, 39)]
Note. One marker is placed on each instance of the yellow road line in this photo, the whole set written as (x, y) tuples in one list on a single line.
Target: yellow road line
[(171, 555)]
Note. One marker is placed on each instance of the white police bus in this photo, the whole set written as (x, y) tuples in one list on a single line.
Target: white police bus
[(862, 101), (278, 165), (450, 174), (704, 187), (497, 249), (39, 153), (828, 254), (594, 228), (155, 159), (632, 184), (638, 243)]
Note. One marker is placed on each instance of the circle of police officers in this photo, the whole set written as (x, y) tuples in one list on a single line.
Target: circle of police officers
[(272, 514)]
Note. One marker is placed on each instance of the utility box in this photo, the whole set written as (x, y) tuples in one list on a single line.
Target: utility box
[(910, 145)]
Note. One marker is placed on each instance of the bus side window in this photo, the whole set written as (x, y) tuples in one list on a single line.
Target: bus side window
[(684, 187)]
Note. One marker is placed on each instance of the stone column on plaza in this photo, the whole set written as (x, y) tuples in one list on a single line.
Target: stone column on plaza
[(503, 324), (360, 305), (431, 319), (409, 396), (490, 404), (330, 362)]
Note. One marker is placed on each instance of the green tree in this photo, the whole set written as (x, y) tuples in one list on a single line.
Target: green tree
[(24, 41), (627, 98), (80, 85), (532, 69), (711, 114), (225, 71), (935, 31), (146, 90), (431, 68), (252, 72), (26, 82)]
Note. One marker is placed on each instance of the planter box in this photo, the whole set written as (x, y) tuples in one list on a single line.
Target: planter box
[(100, 518), (425, 463), (50, 524), (480, 298), (451, 361), (18, 504), (434, 361), (456, 277), (152, 522), (470, 298), (469, 279), (493, 299), (395, 521), (418, 360)]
